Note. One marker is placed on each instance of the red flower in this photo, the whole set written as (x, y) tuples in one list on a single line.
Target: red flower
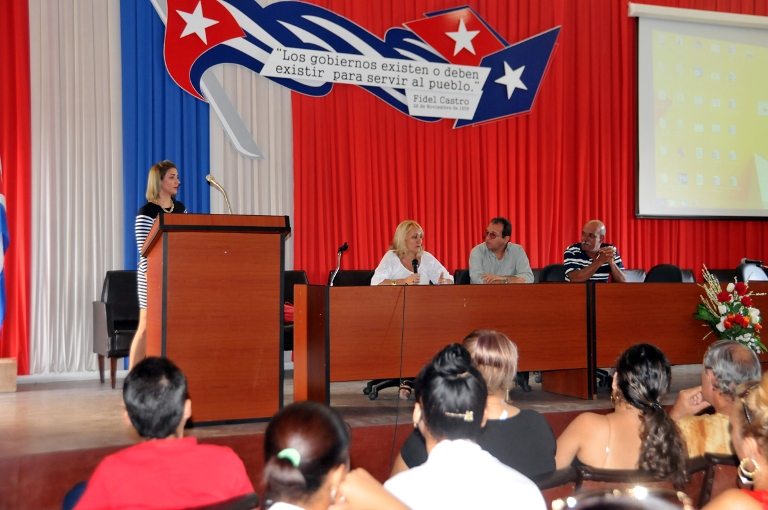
[(746, 301), (728, 324), (740, 288), (758, 327), (724, 297), (740, 320)]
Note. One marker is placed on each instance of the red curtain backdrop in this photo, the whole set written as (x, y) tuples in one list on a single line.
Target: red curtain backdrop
[(361, 167), (16, 153)]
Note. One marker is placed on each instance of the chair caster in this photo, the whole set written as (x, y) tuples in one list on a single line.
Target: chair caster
[(366, 390), (373, 394), (538, 377)]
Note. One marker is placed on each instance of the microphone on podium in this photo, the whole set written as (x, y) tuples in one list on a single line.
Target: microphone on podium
[(218, 186), (344, 247)]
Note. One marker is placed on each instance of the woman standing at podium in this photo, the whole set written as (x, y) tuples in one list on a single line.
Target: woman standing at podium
[(397, 265), (162, 186)]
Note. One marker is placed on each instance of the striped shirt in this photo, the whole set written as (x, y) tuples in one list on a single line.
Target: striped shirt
[(576, 258), (145, 218)]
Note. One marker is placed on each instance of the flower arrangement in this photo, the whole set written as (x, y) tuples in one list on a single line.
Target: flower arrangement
[(731, 313)]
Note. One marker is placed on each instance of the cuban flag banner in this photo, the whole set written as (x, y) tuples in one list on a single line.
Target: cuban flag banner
[(5, 238), (450, 64)]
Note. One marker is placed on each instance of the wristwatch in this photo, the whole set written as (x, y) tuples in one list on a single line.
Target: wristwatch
[(506, 280)]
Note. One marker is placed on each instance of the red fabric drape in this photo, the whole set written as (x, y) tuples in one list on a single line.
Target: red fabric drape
[(361, 167), (15, 154)]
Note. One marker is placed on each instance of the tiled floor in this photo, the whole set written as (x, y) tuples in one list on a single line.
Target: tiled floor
[(52, 417)]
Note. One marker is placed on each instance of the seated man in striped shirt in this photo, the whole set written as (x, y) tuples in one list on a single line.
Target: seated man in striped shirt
[(592, 259)]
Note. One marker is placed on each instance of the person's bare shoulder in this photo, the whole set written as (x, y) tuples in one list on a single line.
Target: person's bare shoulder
[(733, 499)]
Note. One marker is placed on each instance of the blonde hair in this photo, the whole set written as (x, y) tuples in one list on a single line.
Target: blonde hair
[(754, 395), (401, 233), (495, 357), (156, 174)]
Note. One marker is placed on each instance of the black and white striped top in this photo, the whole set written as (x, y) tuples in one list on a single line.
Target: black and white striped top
[(145, 218), (576, 258)]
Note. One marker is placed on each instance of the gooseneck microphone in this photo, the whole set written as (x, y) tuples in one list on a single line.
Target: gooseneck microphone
[(344, 247), (750, 261), (218, 186)]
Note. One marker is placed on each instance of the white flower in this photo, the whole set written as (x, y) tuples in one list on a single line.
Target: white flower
[(720, 326), (730, 287), (721, 309), (754, 314)]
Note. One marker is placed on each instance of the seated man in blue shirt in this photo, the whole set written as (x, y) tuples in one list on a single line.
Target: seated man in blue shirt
[(497, 260), (592, 259)]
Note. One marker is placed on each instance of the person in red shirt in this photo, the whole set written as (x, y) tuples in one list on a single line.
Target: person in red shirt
[(166, 470)]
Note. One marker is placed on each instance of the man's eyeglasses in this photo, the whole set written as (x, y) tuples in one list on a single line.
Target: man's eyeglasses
[(744, 404), (492, 235)]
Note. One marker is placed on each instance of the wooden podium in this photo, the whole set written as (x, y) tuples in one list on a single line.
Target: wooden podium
[(214, 307)]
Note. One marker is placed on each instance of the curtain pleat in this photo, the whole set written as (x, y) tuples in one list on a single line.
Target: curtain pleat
[(360, 167), (15, 142), (77, 232)]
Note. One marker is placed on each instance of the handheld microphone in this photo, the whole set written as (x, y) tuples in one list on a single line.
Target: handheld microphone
[(750, 261), (344, 247), (218, 186), (415, 264)]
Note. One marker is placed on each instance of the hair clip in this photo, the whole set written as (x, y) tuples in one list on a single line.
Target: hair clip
[(466, 416), (463, 374), (656, 405), (292, 454)]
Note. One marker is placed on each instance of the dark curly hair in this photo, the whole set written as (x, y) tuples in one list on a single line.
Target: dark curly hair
[(643, 376)]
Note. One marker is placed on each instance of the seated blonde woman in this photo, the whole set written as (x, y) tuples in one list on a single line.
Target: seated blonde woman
[(521, 439), (396, 267), (638, 433), (749, 432)]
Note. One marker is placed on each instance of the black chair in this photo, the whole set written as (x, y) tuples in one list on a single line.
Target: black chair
[(750, 273), (291, 278), (461, 277), (721, 475), (536, 274), (552, 273), (248, 501), (115, 319), (351, 277), (635, 275), (688, 276), (664, 273), (723, 275)]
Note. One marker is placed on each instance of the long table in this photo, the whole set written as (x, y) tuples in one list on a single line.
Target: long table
[(564, 330)]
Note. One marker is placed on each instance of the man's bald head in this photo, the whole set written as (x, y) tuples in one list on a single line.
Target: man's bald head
[(592, 236)]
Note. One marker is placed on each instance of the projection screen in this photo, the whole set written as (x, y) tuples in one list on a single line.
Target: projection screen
[(702, 119)]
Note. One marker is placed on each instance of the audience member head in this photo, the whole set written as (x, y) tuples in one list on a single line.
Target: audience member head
[(156, 175), (450, 396), (727, 364), (403, 232), (506, 226), (749, 430), (155, 396), (306, 454), (643, 377), (495, 357)]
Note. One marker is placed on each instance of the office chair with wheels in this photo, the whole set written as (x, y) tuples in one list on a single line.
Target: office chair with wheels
[(461, 277), (664, 273), (552, 273), (291, 278), (635, 275), (750, 273)]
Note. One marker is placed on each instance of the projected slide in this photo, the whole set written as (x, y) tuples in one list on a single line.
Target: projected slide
[(703, 124)]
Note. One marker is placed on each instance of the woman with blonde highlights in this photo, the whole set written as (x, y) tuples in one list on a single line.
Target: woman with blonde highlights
[(521, 439), (162, 186), (396, 267), (749, 432)]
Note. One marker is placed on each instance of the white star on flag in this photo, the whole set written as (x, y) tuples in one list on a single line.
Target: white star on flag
[(463, 38), (512, 79), (196, 23)]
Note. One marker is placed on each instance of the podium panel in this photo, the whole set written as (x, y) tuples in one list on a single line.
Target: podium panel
[(215, 308)]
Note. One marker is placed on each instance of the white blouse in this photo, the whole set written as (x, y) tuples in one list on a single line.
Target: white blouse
[(390, 268), (474, 477)]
